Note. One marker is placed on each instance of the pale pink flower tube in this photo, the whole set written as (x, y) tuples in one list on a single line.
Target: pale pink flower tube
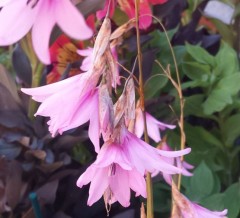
[(153, 125)]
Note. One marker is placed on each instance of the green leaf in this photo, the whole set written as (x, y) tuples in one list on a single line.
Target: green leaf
[(164, 54), (162, 196), (222, 94), (230, 83), (231, 129), (225, 31), (217, 184), (81, 154), (196, 71), (194, 84), (154, 85), (201, 138), (214, 202), (193, 105), (227, 61), (200, 55), (202, 182), (217, 101), (232, 200)]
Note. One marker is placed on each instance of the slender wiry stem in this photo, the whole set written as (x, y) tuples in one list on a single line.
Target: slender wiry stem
[(142, 105), (178, 87)]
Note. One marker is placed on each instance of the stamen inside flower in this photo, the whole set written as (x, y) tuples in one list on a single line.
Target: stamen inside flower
[(113, 169)]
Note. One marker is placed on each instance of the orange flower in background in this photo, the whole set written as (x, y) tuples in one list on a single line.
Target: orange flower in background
[(62, 53), (208, 24)]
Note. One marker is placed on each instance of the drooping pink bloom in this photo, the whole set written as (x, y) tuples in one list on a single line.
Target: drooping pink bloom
[(17, 17), (69, 104), (188, 209), (121, 165), (128, 7), (153, 125), (177, 161)]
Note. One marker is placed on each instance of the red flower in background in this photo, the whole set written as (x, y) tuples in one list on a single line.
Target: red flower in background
[(128, 7)]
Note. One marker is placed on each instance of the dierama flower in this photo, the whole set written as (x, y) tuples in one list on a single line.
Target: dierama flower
[(128, 7), (69, 104), (74, 101), (121, 165), (153, 125), (17, 17), (180, 164), (188, 209)]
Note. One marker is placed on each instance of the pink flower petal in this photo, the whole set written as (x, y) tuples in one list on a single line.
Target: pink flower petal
[(71, 20), (153, 126), (88, 60), (145, 15), (98, 185), (85, 52), (94, 127), (137, 183), (41, 31), (102, 13), (203, 212), (145, 12), (119, 185), (86, 177), (153, 129), (114, 154), (4, 2), (174, 153), (42, 93), (187, 165), (16, 19), (188, 209), (156, 2), (139, 125), (150, 161), (79, 112)]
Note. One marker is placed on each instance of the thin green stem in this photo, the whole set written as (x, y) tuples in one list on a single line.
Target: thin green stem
[(37, 69), (142, 105)]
